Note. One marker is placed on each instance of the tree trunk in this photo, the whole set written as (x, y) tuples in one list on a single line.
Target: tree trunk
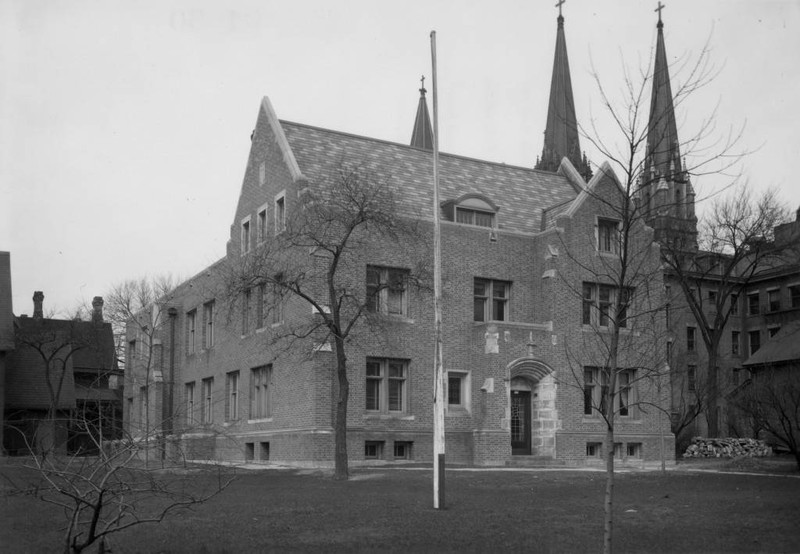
[(340, 424), (609, 496), (712, 388)]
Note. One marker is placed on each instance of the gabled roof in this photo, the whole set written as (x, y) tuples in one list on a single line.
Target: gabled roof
[(571, 207), (783, 347), (521, 194), (422, 135), (93, 342)]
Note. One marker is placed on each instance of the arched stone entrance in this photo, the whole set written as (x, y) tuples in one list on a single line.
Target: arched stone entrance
[(533, 418)]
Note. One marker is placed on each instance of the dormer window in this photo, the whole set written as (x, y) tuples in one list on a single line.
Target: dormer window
[(471, 209)]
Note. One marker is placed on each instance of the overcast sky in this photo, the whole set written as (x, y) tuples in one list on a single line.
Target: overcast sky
[(124, 126)]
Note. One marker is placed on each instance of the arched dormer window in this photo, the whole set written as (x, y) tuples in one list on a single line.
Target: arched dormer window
[(471, 209)]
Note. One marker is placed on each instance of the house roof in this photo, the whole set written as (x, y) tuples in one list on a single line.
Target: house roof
[(94, 343), (783, 347), (522, 194)]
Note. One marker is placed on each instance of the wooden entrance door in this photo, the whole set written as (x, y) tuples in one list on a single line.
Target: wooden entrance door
[(520, 422)]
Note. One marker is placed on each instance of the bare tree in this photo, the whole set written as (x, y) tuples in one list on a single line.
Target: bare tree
[(136, 309), (736, 243), (319, 260)]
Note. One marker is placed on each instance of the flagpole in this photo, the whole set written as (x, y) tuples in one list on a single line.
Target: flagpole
[(438, 372)]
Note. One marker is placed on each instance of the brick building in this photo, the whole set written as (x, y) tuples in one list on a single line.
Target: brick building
[(526, 259)]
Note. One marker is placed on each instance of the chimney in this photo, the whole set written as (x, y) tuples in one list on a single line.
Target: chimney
[(97, 309), (38, 298)]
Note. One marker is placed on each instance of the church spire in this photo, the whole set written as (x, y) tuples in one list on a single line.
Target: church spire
[(666, 193), (422, 135), (561, 134)]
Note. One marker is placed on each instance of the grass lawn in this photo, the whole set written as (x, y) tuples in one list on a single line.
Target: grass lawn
[(390, 509)]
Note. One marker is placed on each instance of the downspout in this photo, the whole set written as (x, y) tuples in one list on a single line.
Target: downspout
[(168, 412)]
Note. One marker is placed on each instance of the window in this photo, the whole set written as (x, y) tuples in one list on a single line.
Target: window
[(755, 341), (132, 350), (773, 330), (474, 217), (594, 449), (491, 300), (458, 390), (735, 343), (373, 450), (262, 173), (260, 405), (794, 292), (595, 391), (774, 300), (402, 450), (190, 404), (691, 378), (208, 324), (277, 309), (246, 235), (752, 304), (667, 305), (634, 450), (625, 392), (734, 304), (386, 385), (261, 294), (608, 235), (143, 403), (280, 213), (618, 450), (712, 297), (232, 385), (246, 312), (690, 338), (598, 305), (207, 409), (261, 223), (387, 290), (191, 323)]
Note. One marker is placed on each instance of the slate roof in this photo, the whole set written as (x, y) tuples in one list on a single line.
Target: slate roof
[(95, 342), (521, 194), (783, 347)]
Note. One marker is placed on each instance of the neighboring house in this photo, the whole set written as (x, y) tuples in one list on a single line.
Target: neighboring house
[(519, 300), (82, 402)]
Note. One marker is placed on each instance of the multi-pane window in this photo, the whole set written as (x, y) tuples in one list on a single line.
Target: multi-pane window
[(595, 391), (634, 449), (260, 405), (261, 298), (246, 312), (474, 217), (387, 290), (752, 304), (207, 408), (594, 449), (691, 337), (491, 300), (246, 235), (276, 309), (794, 293), (691, 377), (191, 331), (734, 304), (598, 305), (208, 324), (261, 223), (402, 450), (457, 389), (608, 235), (735, 343), (232, 386), (373, 450), (280, 213), (774, 300), (755, 341), (386, 385), (190, 404), (625, 392)]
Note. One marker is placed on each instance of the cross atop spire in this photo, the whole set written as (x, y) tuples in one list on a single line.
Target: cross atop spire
[(658, 9), (422, 88), (558, 5), (422, 135)]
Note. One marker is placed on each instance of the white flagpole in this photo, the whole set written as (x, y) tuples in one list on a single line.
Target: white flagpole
[(438, 372)]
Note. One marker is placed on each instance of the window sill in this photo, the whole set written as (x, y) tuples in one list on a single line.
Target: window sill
[(547, 326), (260, 420), (261, 330), (600, 329), (457, 412), (403, 417)]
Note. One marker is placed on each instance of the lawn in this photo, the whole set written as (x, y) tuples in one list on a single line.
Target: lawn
[(390, 510)]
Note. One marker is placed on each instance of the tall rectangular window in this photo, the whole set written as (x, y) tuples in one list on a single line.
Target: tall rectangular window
[(794, 293), (276, 309), (735, 343), (386, 381), (260, 378), (191, 331), (595, 391), (246, 312), (261, 223), (598, 304), (625, 398), (280, 213), (491, 300), (690, 338), (245, 238), (232, 384), (691, 377), (208, 324), (734, 304), (387, 290), (755, 341), (774, 300), (752, 304), (207, 408), (261, 294), (190, 404), (608, 235)]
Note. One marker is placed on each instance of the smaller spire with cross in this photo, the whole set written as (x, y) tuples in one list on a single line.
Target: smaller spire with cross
[(658, 9), (422, 86), (558, 5)]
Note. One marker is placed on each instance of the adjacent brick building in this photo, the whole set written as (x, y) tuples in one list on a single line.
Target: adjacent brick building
[(527, 256)]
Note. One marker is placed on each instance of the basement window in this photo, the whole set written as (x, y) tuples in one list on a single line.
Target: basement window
[(373, 450)]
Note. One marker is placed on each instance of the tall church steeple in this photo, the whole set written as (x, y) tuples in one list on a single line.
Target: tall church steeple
[(422, 135), (561, 134), (665, 190)]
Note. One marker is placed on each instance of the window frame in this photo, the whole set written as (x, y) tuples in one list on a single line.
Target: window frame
[(753, 308), (232, 380), (207, 401), (191, 331), (750, 342), (191, 402), (596, 307), (734, 304), (279, 207), (261, 392), (595, 389), (464, 390), (691, 378), (773, 300), (794, 295), (245, 236), (246, 303), (608, 236), (490, 301), (735, 342), (381, 387), (208, 324), (691, 338), (379, 291), (262, 221)]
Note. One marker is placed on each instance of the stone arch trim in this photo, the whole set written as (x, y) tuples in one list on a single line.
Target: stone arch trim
[(530, 368)]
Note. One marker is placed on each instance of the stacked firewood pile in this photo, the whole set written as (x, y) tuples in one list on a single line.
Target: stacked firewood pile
[(726, 448)]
